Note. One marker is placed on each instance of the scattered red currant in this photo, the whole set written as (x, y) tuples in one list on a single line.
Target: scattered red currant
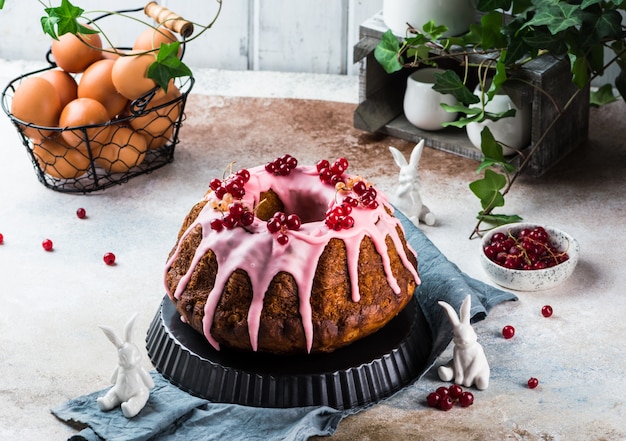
[(466, 399), (109, 259), (508, 332), (546, 311), (526, 249), (47, 245), (533, 382), (455, 391), (444, 398), (81, 213), (446, 403), (433, 399)]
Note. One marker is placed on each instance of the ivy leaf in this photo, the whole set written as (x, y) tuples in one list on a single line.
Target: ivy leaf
[(488, 189), (580, 72), (386, 52), (167, 65), (1, 4), (449, 82), (434, 31), (492, 36), (604, 95), (65, 19), (556, 15)]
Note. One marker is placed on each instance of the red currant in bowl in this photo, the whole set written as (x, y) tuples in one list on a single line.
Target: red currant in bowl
[(528, 257)]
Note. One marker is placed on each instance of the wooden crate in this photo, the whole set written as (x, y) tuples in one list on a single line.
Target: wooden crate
[(381, 96)]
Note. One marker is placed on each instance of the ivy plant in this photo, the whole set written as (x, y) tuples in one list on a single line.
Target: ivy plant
[(577, 30)]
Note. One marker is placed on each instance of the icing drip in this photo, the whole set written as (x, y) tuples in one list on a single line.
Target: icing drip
[(257, 252)]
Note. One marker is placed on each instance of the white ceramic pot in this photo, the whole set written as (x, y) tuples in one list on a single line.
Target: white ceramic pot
[(422, 104), (457, 15), (513, 131)]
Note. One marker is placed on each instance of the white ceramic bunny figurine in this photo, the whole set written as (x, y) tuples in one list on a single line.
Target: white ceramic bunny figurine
[(469, 363), (407, 198), (131, 382)]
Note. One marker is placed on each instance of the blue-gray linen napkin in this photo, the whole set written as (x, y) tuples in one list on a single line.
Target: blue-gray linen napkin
[(172, 414)]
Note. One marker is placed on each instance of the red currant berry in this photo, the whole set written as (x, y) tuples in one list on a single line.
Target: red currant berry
[(508, 332), (217, 225), (215, 183), (455, 391), (247, 218), (446, 403), (546, 311), (433, 399), (282, 239), (293, 222), (533, 382), (47, 245), (81, 213), (466, 399), (1, 239), (359, 187), (109, 259), (347, 222), (323, 164), (273, 225), (443, 391), (236, 210), (229, 221), (244, 174)]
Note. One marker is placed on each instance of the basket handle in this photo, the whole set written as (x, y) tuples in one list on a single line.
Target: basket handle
[(169, 19)]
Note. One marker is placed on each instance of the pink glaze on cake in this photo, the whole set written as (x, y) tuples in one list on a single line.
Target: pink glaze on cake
[(256, 251)]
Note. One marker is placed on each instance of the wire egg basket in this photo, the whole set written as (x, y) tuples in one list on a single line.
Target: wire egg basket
[(83, 159)]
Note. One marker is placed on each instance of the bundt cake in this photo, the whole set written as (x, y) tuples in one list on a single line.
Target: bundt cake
[(290, 259)]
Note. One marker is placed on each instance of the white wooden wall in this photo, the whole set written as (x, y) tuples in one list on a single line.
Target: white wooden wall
[(272, 35)]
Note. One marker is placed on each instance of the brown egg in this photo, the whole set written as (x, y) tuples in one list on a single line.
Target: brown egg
[(36, 101), (57, 159), (152, 38), (126, 150), (64, 83), (73, 54), (85, 112), (129, 75), (96, 83), (157, 124)]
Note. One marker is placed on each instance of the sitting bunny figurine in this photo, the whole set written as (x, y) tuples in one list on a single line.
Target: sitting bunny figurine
[(407, 198), (131, 382), (469, 363)]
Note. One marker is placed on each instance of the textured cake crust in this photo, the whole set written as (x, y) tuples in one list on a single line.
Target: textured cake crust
[(336, 318)]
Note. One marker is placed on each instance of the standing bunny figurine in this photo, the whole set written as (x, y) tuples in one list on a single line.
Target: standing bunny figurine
[(407, 198), (131, 382), (469, 363)]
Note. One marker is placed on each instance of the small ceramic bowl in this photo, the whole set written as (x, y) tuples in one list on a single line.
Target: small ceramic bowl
[(533, 279)]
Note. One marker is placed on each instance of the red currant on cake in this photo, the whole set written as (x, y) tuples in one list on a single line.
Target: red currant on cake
[(332, 173), (281, 166), (508, 332), (281, 223), (81, 213), (533, 382), (109, 258), (546, 311), (47, 245)]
